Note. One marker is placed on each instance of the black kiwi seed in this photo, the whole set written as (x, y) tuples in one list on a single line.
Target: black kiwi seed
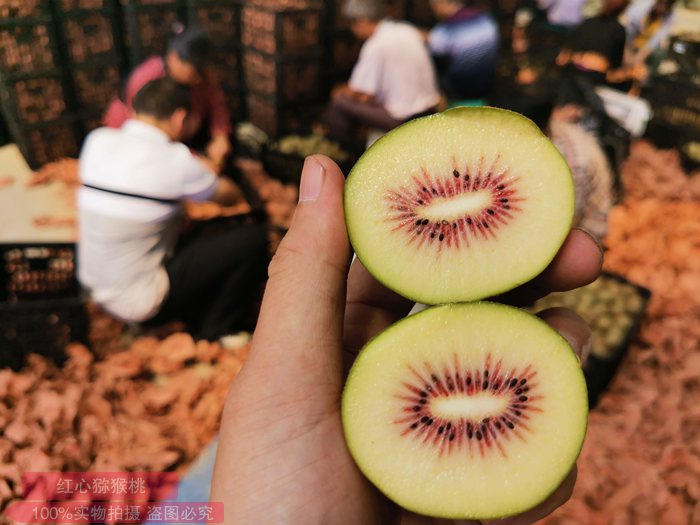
[(425, 221), (486, 373), (510, 424), (504, 200), (496, 385), (441, 430), (478, 435), (486, 224), (518, 391), (429, 422), (452, 436), (422, 401), (432, 235), (424, 419), (523, 381), (469, 220), (455, 173), (441, 237), (506, 207), (418, 222), (522, 398), (423, 393), (485, 385), (501, 187), (513, 382), (490, 211), (449, 426), (434, 378), (425, 189), (414, 425), (498, 425), (435, 191), (468, 380), (420, 202), (466, 178), (416, 408), (470, 433), (454, 225), (518, 413), (485, 420)]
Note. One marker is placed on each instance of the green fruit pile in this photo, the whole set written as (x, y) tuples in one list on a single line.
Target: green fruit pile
[(311, 145), (609, 305)]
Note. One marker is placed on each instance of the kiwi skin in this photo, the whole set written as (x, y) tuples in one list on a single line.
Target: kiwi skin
[(460, 113), (407, 505)]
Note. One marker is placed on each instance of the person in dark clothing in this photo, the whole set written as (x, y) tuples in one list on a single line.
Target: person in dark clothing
[(465, 47), (592, 55)]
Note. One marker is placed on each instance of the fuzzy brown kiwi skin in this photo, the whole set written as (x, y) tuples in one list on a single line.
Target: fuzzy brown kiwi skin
[(456, 112), (362, 354)]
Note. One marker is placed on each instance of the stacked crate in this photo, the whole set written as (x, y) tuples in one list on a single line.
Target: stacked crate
[(148, 25), (284, 64), (34, 93), (344, 47), (90, 36), (221, 20)]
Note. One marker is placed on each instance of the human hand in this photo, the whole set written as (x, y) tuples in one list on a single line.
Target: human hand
[(340, 91), (282, 456), (218, 149)]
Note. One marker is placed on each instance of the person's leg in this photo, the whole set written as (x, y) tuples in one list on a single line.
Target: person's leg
[(214, 276), (371, 115)]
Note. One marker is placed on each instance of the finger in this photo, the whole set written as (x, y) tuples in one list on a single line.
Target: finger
[(578, 263), (552, 503), (301, 317), (572, 327), (370, 308)]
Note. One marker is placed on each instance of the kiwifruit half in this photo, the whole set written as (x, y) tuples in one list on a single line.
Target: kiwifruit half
[(459, 206), (466, 411)]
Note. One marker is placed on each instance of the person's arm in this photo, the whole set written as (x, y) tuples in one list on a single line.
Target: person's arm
[(365, 81), (220, 125)]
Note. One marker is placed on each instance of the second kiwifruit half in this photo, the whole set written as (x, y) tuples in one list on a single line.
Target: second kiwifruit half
[(460, 205)]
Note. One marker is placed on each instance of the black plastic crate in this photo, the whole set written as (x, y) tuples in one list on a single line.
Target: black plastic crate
[(96, 85), (285, 79), (221, 19), (675, 104), (282, 31), (69, 6), (90, 35), (42, 327), (148, 29), (346, 51), (37, 272), (34, 99), (277, 119), (24, 8), (287, 166), (601, 366), (28, 46), (43, 143)]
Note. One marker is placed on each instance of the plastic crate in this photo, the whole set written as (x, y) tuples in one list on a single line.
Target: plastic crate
[(24, 8), (91, 121), (27, 46), (148, 28), (90, 36), (96, 85), (277, 119), (37, 272), (289, 31), (346, 51), (219, 18), (43, 143), (226, 64), (284, 79), (34, 100), (287, 167), (67, 6), (43, 327)]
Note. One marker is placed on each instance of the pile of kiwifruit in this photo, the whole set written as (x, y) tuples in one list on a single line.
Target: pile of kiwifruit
[(311, 145), (610, 305)]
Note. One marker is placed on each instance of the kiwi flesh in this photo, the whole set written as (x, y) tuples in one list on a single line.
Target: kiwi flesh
[(466, 411), (459, 206)]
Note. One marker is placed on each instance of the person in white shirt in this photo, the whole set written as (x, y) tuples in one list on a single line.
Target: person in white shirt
[(130, 256), (394, 79)]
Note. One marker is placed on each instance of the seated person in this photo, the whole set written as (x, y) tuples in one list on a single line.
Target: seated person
[(595, 50), (648, 24), (187, 61), (393, 80), (593, 179), (465, 47), (129, 258)]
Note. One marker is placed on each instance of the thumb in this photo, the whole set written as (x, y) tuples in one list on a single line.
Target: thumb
[(300, 322)]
